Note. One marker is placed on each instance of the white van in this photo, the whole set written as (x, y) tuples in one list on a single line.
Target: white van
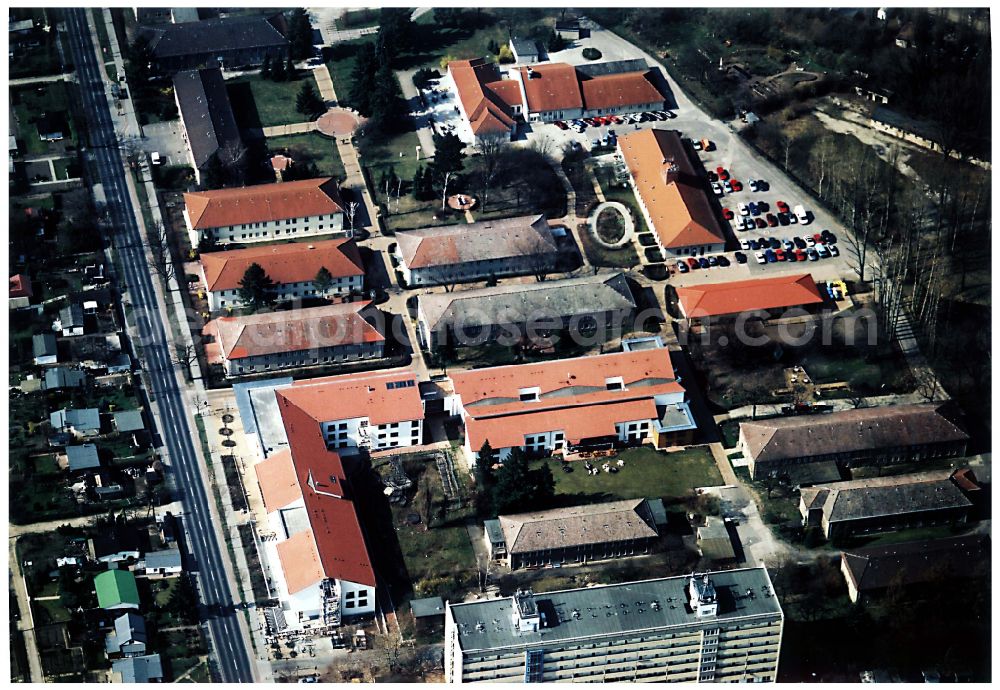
[(800, 213)]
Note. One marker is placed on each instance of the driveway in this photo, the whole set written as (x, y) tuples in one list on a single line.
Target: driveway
[(760, 546), (169, 139)]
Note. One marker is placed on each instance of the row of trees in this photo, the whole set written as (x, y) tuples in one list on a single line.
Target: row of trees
[(257, 291), (375, 92), (513, 487)]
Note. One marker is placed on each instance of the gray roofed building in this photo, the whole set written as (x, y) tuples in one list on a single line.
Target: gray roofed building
[(71, 319), (164, 562), (129, 420), (602, 298), (476, 251), (239, 40), (206, 114), (579, 533), (714, 540), (137, 669), (524, 50), (866, 436), (494, 538), (82, 457), (81, 422), (63, 377), (44, 349), (424, 608), (128, 637), (875, 569), (601, 69), (884, 503), (576, 634), (896, 121)]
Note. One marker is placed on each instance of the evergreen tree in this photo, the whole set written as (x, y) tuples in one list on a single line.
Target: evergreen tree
[(290, 71), (485, 480), (308, 101), (256, 288), (183, 601), (556, 42), (363, 80), (323, 280), (417, 183), (278, 70), (427, 184), (448, 156), (519, 488), (388, 109), (265, 68), (300, 34), (493, 46), (213, 175)]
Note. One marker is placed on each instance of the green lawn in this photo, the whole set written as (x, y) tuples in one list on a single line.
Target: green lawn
[(340, 61), (310, 147), (29, 103), (46, 465), (381, 157), (66, 168), (647, 473), (261, 102), (624, 257), (163, 595), (50, 611), (906, 535)]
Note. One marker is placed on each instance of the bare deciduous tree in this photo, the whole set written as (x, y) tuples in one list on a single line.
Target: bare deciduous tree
[(158, 245), (492, 150), (233, 157)]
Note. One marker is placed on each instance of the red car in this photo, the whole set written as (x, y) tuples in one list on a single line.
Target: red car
[(782, 206), (693, 263), (560, 124), (727, 214), (761, 223), (819, 238), (772, 220), (780, 253), (723, 173), (736, 185), (615, 119)]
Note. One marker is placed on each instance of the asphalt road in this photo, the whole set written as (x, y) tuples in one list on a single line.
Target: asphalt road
[(231, 654)]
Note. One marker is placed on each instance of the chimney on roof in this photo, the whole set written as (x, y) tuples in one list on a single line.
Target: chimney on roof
[(670, 170)]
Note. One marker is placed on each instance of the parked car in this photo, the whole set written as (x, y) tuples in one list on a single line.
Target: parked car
[(615, 119), (595, 142), (770, 256), (155, 158), (723, 173), (782, 206), (763, 206), (753, 185), (717, 188), (788, 245), (728, 187), (800, 254), (703, 262), (829, 237), (771, 220), (744, 244), (728, 214), (823, 252), (755, 244), (670, 114), (761, 257), (779, 254), (799, 242), (761, 223), (813, 255), (692, 263), (737, 185), (713, 176), (696, 145), (833, 250), (783, 219), (682, 267), (742, 208), (740, 257), (801, 213), (723, 261), (561, 125), (713, 261), (754, 209), (819, 238), (810, 242)]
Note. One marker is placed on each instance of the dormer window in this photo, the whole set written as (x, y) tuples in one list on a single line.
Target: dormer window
[(528, 394), (615, 383)]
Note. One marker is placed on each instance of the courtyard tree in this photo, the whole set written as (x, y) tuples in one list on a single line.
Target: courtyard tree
[(519, 488), (485, 479), (256, 289), (300, 34), (308, 101), (323, 280), (492, 150)]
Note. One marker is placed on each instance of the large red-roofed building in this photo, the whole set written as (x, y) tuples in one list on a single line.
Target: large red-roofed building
[(771, 295)]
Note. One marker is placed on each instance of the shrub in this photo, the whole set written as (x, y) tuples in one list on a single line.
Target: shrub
[(505, 56), (655, 271), (592, 53)]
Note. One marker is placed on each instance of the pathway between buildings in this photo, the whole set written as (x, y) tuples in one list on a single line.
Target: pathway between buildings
[(283, 130)]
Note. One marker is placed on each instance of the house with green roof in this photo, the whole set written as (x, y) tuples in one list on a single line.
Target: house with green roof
[(116, 590)]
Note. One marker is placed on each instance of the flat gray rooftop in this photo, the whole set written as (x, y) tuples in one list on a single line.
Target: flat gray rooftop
[(259, 412), (612, 610)]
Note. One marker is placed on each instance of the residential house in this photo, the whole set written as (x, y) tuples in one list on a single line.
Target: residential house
[(127, 421), (20, 292), (367, 410), (870, 572), (525, 51), (128, 638), (346, 332), (71, 320), (883, 504), (866, 436), (318, 558), (904, 39), (118, 543), (714, 542), (721, 627), (228, 42), (581, 534), (590, 304), (116, 590), (78, 422), (572, 405), (477, 251), (671, 195), (82, 458), (58, 378), (179, 15), (768, 297), (52, 126), (292, 267), (166, 562), (43, 347), (265, 212), (206, 116), (137, 669)]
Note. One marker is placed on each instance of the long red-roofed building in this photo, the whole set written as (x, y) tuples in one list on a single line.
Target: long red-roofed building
[(266, 212), (573, 404), (292, 267), (321, 571), (772, 295)]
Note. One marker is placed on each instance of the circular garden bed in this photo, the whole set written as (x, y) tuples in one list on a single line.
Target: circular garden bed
[(610, 225)]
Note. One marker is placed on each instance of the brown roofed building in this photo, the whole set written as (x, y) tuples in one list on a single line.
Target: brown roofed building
[(292, 267), (477, 251), (344, 332), (771, 295), (20, 292), (489, 104), (672, 198), (579, 534), (261, 213), (866, 436)]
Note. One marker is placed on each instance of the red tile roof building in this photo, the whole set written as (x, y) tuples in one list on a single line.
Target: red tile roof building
[(319, 547), (292, 267), (759, 294), (20, 293), (550, 91), (260, 213), (674, 201), (573, 403), (276, 340)]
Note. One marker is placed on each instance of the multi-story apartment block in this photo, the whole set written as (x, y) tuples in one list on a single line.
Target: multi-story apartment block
[(715, 627), (293, 268), (671, 194), (574, 404), (369, 410), (318, 561), (345, 332), (477, 251), (266, 212)]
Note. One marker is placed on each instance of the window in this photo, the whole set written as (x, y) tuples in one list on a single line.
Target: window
[(528, 394), (614, 383)]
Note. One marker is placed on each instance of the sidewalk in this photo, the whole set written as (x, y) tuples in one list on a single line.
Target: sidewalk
[(27, 623), (283, 130)]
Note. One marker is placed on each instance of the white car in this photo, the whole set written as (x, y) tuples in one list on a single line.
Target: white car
[(696, 144), (824, 253), (742, 208), (810, 242), (744, 244), (753, 185), (155, 158), (717, 188), (833, 250), (761, 259)]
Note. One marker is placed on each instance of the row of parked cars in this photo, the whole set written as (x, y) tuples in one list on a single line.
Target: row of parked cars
[(769, 250), (601, 120)]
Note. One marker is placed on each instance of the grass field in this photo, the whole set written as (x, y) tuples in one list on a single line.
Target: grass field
[(647, 473), (340, 61), (624, 257), (310, 147), (259, 102), (29, 104)]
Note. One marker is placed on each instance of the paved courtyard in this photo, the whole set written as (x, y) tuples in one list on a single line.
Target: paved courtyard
[(168, 139)]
